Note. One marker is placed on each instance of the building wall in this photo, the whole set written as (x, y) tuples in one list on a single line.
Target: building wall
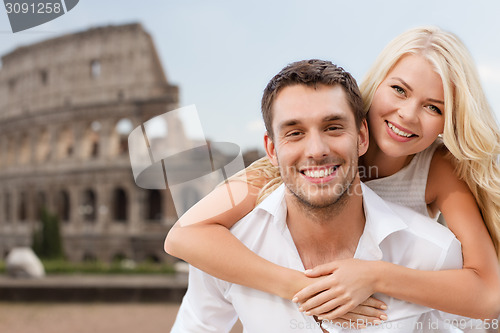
[(66, 107)]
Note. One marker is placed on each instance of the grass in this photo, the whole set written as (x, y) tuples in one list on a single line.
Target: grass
[(97, 267)]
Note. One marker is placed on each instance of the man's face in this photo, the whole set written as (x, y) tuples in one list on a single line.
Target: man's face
[(316, 143)]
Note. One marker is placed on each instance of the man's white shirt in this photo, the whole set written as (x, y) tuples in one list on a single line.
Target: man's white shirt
[(392, 233)]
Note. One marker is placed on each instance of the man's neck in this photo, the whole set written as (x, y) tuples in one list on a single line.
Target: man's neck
[(327, 234)]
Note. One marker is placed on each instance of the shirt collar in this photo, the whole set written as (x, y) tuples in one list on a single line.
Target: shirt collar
[(275, 205), (381, 220)]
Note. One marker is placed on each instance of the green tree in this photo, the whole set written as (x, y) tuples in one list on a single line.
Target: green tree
[(47, 242)]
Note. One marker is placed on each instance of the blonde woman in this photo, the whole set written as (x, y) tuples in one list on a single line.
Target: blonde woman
[(423, 86)]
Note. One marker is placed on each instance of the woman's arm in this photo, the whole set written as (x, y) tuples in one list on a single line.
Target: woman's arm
[(202, 238), (473, 291)]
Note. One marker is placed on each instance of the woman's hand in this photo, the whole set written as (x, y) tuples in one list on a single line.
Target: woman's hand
[(367, 313), (347, 284)]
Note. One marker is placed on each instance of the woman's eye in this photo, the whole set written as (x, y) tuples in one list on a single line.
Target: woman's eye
[(399, 90), (435, 109)]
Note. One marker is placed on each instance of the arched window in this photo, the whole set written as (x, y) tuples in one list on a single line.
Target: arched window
[(6, 202), (154, 205), (23, 209), (40, 203), (11, 151), (120, 205), (120, 136), (88, 207), (63, 206), (95, 68), (25, 150), (44, 76), (43, 146), (65, 143), (90, 144)]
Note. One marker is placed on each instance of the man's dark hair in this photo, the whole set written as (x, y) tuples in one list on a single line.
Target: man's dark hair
[(311, 73)]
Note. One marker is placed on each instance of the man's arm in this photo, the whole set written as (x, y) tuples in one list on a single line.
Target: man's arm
[(204, 308)]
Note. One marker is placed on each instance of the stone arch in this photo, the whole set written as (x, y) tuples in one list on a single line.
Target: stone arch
[(89, 205), (23, 207), (7, 206), (95, 68), (40, 204), (3, 151), (91, 140), (119, 137), (11, 151), (43, 146), (65, 143), (63, 206), (25, 149), (154, 205), (120, 204), (44, 77)]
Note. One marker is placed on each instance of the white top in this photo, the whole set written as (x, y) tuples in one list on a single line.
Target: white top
[(392, 233), (407, 186)]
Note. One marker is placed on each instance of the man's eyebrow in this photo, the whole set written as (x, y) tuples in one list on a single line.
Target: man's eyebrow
[(335, 117), (288, 123), (294, 122)]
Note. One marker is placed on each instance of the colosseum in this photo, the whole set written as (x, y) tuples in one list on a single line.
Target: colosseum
[(67, 106)]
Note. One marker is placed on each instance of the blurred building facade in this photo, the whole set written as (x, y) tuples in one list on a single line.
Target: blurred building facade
[(67, 106)]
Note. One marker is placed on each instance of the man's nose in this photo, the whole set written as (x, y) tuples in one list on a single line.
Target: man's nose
[(317, 146)]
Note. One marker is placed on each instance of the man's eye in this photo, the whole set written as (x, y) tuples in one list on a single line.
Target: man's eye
[(294, 133), (333, 128)]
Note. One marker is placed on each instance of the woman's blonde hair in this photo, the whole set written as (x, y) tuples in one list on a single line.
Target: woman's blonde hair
[(470, 133)]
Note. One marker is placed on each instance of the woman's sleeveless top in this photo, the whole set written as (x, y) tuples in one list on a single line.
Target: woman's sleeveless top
[(407, 186)]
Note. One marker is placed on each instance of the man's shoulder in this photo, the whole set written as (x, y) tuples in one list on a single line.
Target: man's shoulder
[(402, 220), (271, 210), (421, 226)]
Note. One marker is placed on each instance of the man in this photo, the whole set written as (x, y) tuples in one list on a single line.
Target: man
[(316, 132)]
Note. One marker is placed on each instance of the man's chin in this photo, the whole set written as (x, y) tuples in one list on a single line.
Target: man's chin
[(318, 200), (320, 195)]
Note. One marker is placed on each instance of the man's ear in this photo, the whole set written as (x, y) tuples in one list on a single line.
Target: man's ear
[(270, 149), (363, 138)]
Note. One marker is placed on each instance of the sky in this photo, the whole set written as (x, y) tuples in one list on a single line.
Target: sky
[(222, 53)]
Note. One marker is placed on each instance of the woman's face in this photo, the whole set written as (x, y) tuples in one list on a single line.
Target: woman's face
[(406, 114)]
